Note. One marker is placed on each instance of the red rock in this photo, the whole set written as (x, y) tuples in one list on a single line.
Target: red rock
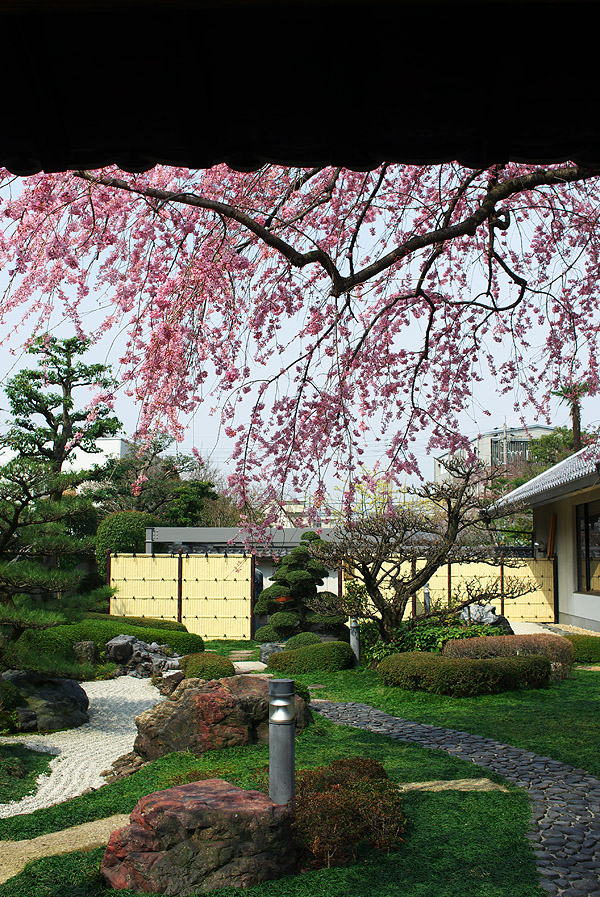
[(198, 837), (205, 715)]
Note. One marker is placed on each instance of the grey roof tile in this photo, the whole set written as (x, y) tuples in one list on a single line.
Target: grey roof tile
[(574, 471)]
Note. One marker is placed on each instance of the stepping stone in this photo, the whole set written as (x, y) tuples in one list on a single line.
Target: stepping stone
[(16, 854), (453, 785)]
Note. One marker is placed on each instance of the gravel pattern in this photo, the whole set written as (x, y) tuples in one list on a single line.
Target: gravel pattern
[(85, 752), (566, 801)]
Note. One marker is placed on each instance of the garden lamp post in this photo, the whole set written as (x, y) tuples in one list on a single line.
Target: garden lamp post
[(282, 730)]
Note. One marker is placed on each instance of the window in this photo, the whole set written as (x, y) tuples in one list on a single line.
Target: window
[(588, 547), (516, 450)]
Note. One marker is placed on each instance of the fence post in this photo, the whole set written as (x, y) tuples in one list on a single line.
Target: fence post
[(282, 732), (180, 586)]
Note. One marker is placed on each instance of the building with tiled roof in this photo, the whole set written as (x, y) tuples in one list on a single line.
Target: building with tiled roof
[(566, 524)]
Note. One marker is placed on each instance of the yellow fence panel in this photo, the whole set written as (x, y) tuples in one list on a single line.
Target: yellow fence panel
[(215, 591), (146, 586), (217, 596), (534, 607)]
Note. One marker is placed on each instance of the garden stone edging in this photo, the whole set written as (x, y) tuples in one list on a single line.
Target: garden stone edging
[(565, 800)]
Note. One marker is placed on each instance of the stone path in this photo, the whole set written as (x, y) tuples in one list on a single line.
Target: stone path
[(566, 801), (15, 855)]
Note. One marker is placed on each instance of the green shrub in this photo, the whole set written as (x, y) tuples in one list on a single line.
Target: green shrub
[(11, 697), (429, 634), (301, 640), (123, 531), (586, 647), (57, 642), (284, 622), (302, 691), (267, 633), (556, 648), (207, 666), (328, 656), (146, 622), (340, 806), (326, 622), (265, 606), (462, 677)]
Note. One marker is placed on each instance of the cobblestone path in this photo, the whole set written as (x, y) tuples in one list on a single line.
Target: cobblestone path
[(565, 800)]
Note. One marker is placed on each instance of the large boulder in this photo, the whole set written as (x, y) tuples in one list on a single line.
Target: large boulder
[(204, 715), (194, 838), (48, 703)]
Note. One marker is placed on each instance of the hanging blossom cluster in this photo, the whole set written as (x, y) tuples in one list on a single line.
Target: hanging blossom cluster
[(335, 305)]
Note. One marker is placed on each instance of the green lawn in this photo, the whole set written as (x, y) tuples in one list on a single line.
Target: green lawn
[(224, 647), (559, 722), (19, 769), (444, 854), (447, 850)]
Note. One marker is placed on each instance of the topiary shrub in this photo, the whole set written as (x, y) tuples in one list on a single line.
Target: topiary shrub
[(123, 531), (556, 648), (267, 634), (328, 656), (331, 625), (586, 648), (339, 806), (464, 677), (301, 640), (207, 666), (284, 622)]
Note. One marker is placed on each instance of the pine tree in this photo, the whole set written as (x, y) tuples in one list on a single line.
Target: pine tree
[(46, 527)]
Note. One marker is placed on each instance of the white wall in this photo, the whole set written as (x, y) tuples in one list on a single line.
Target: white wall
[(575, 608)]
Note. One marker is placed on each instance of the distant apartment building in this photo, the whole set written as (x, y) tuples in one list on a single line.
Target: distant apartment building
[(497, 448)]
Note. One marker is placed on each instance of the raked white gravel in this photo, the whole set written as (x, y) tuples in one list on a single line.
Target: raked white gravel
[(83, 753)]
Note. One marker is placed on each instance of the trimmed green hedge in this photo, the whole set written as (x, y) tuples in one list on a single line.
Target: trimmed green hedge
[(207, 665), (59, 639), (586, 647), (147, 622), (556, 648), (301, 640), (463, 677), (302, 691), (328, 656)]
